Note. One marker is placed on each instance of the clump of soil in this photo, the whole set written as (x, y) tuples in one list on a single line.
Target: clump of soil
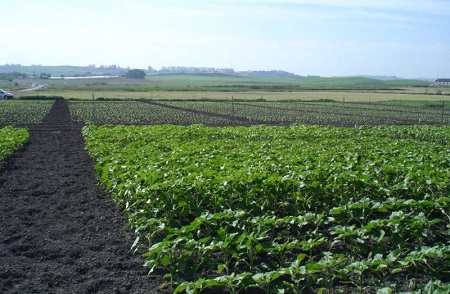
[(60, 232)]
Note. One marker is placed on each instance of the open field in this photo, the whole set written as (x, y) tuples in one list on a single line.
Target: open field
[(249, 88), (349, 96), (220, 79), (219, 86)]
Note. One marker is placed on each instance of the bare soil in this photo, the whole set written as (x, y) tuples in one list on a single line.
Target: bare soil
[(59, 231)]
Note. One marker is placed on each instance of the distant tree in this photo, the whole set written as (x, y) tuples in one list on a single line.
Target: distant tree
[(135, 74), (6, 77), (45, 76), (19, 75)]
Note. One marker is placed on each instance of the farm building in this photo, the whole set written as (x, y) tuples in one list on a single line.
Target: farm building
[(442, 82)]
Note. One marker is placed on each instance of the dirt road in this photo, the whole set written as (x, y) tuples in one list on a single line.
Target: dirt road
[(34, 87)]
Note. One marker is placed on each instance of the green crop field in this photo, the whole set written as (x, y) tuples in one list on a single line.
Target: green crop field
[(320, 113), (223, 112), (289, 209), (18, 112), (11, 139), (296, 207)]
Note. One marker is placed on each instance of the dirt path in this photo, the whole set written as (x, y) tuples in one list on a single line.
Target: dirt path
[(59, 232), (35, 87)]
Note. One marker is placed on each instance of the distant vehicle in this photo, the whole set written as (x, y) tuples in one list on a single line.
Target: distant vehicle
[(5, 95)]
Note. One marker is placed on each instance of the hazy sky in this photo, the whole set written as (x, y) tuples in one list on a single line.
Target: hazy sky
[(406, 38)]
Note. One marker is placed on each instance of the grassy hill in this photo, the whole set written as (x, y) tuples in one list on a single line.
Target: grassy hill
[(211, 80)]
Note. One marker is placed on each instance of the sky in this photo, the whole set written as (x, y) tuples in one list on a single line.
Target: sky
[(403, 38)]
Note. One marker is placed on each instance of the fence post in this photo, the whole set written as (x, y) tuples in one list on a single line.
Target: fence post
[(93, 108), (232, 109)]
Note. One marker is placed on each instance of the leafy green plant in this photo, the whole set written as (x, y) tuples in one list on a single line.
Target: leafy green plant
[(19, 112), (282, 208), (11, 139)]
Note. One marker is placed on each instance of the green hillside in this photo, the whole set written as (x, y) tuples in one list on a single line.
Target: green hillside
[(235, 80)]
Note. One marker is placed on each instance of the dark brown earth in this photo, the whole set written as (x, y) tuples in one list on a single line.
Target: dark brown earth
[(60, 232)]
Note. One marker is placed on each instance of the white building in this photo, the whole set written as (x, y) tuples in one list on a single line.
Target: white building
[(442, 82)]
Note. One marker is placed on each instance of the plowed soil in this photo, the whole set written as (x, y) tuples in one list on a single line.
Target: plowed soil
[(59, 231)]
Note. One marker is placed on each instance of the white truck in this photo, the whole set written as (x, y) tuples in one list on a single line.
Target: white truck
[(5, 95)]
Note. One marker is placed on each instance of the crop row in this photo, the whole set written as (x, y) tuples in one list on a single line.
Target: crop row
[(283, 208), (322, 112), (132, 112), (18, 112), (11, 139), (15, 112)]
